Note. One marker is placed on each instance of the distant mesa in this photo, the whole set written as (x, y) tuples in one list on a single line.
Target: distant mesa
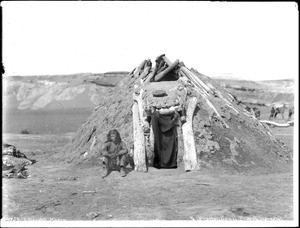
[(82, 90)]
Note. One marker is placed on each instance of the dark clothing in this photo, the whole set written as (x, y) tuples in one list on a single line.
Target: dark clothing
[(165, 140), (291, 112), (272, 115), (116, 163)]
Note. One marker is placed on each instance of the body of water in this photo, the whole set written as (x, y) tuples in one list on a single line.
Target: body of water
[(44, 122)]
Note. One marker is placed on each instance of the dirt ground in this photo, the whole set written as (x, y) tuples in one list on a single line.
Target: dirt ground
[(55, 190)]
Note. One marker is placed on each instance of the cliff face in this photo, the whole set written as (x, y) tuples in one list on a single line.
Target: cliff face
[(87, 90), (57, 92), (261, 92)]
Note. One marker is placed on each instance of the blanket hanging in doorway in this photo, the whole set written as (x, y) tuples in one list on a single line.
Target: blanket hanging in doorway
[(165, 140)]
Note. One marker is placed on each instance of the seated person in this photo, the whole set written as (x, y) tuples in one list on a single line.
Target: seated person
[(115, 154)]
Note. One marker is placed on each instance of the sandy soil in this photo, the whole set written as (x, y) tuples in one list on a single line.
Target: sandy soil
[(55, 190)]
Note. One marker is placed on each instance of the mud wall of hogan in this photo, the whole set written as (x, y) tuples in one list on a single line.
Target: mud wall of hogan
[(113, 112), (244, 145)]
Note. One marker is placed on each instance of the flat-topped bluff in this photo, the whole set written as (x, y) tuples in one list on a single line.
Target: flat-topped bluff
[(84, 90)]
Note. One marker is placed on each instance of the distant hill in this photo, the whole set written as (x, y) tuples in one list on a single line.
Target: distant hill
[(260, 92), (49, 92), (86, 90)]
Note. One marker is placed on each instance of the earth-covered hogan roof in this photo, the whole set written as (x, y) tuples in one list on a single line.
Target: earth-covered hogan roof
[(226, 135)]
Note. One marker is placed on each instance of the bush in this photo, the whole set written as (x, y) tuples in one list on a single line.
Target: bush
[(25, 131)]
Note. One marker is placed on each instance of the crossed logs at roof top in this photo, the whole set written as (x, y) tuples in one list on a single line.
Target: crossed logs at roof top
[(162, 67)]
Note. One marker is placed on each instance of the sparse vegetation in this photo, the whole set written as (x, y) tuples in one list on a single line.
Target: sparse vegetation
[(242, 166), (164, 194), (167, 194)]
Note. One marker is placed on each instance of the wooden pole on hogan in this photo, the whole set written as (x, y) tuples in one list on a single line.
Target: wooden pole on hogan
[(139, 138), (190, 156)]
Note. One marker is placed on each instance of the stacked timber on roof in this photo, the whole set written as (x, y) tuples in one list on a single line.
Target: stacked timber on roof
[(178, 86)]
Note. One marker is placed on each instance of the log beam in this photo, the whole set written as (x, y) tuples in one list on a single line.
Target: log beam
[(272, 123), (150, 155), (180, 145), (190, 156), (139, 141), (159, 76), (149, 76), (167, 61), (142, 65), (143, 118)]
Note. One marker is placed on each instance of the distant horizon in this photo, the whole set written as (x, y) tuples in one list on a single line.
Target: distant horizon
[(118, 71)]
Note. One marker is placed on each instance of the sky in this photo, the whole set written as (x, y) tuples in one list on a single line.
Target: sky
[(253, 41)]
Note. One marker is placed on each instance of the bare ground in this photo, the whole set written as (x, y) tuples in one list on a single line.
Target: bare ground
[(55, 190)]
